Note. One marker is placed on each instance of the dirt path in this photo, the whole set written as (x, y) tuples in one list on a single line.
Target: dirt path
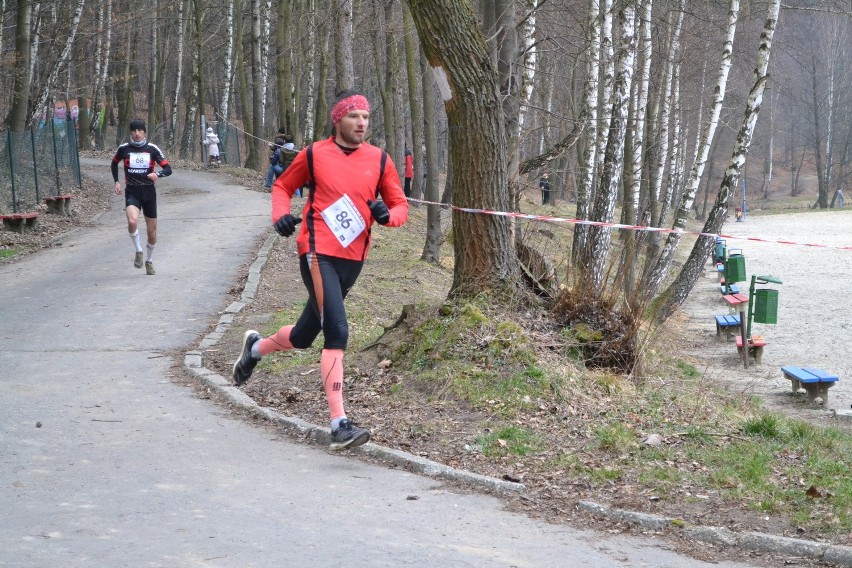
[(814, 310)]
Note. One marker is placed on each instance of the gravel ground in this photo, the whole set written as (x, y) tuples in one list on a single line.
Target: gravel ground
[(813, 326)]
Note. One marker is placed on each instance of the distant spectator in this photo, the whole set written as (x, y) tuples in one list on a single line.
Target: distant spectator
[(409, 171), (544, 185), (212, 143), (839, 198)]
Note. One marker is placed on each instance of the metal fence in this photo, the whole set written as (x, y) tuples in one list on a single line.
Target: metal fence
[(38, 163)]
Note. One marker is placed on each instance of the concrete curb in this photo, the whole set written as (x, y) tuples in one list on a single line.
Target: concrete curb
[(752, 541)]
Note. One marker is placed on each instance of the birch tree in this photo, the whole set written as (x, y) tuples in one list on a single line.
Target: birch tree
[(41, 105), (588, 120), (179, 75), (678, 291), (225, 105), (607, 194), (658, 273)]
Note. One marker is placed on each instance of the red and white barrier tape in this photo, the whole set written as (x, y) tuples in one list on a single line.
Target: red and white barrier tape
[(549, 219)]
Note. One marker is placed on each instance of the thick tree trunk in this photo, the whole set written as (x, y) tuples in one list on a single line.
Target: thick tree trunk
[(21, 83), (343, 67), (485, 258), (675, 295)]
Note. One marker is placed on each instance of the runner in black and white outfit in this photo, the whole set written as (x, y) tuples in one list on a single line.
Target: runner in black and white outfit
[(139, 157)]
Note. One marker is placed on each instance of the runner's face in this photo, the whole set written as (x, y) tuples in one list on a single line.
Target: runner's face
[(138, 135), (352, 128)]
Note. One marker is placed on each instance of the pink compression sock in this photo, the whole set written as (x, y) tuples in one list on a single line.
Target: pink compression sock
[(276, 342), (331, 369)]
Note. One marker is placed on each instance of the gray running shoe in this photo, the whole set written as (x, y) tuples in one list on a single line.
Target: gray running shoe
[(245, 364), (137, 260), (149, 268), (348, 435)]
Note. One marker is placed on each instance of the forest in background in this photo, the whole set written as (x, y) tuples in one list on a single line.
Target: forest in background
[(642, 111)]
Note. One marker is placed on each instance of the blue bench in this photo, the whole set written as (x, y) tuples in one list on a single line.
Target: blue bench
[(727, 325), (727, 290), (816, 382)]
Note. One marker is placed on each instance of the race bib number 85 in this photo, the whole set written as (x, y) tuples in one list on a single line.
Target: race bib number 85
[(344, 220)]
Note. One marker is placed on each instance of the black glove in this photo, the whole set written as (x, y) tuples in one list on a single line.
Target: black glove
[(380, 211), (286, 225)]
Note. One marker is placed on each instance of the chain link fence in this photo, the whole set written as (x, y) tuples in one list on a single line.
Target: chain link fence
[(38, 163)]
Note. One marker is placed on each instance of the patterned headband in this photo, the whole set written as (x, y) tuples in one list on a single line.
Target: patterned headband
[(347, 105)]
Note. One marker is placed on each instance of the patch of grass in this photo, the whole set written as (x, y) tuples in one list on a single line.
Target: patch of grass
[(510, 440), (616, 438), (8, 252)]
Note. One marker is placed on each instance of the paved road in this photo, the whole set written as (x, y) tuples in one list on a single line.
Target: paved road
[(105, 461)]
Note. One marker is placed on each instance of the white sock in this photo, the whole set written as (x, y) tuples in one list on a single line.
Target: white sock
[(135, 238), (150, 248)]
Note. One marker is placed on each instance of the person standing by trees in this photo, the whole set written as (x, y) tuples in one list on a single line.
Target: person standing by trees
[(544, 185), (345, 176), (139, 157), (211, 141), (409, 171)]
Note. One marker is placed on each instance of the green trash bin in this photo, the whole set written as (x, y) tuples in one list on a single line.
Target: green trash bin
[(721, 247), (766, 305), (735, 269)]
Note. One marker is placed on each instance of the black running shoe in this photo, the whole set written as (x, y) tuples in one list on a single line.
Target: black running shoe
[(245, 364), (348, 435)]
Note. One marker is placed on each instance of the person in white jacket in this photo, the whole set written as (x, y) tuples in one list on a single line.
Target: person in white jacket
[(212, 143)]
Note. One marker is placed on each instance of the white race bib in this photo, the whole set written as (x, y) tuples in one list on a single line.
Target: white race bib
[(344, 220), (139, 161)]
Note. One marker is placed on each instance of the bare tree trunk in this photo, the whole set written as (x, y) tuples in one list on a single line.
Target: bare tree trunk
[(195, 102), (255, 144), (21, 82), (179, 78), (633, 176), (485, 257), (658, 167), (822, 199), (588, 120), (343, 67), (613, 165), (124, 86), (321, 121), (41, 105), (311, 56), (530, 59), (416, 104), (265, 15), (99, 99), (662, 264), (283, 67), (434, 237), (606, 87), (675, 295), (225, 105)]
